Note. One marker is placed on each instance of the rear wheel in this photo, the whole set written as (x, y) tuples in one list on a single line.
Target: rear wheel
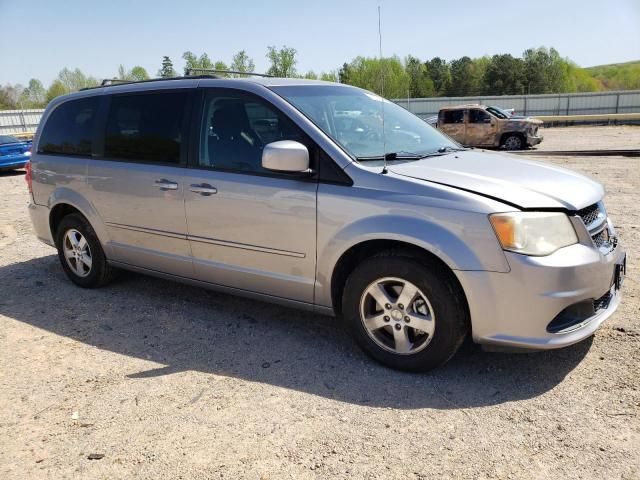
[(81, 253), (513, 142), (405, 313)]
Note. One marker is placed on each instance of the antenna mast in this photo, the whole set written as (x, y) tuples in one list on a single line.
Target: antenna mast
[(384, 136)]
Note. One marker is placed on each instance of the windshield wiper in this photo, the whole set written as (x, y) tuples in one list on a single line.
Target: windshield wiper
[(443, 151), (447, 148), (401, 155)]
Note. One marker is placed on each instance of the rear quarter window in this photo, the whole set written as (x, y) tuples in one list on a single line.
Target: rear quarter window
[(69, 128)]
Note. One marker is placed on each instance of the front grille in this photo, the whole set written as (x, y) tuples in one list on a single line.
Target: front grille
[(602, 302), (589, 214), (594, 218), (601, 238)]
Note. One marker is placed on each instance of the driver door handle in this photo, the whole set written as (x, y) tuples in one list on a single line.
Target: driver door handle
[(203, 189)]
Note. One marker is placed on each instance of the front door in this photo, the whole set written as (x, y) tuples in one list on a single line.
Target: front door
[(249, 228), (136, 186), (481, 128)]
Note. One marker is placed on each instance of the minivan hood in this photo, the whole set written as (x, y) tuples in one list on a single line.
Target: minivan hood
[(523, 183)]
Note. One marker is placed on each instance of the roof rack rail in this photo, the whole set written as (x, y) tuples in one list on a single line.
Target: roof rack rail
[(199, 71), (111, 82)]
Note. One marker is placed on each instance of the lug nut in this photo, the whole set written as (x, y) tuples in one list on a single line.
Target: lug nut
[(398, 326), (386, 319), (407, 319), (400, 306), (388, 306)]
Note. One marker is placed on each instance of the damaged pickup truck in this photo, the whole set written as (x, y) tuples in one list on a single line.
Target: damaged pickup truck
[(481, 126)]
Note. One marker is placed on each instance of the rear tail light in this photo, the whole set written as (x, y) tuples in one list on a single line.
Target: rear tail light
[(28, 176)]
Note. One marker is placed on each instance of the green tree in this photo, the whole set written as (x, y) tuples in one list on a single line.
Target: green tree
[(69, 81), (465, 80), (385, 76), (505, 75), (221, 67), (310, 75), (579, 80), (241, 62), (420, 84), (167, 70), (192, 62), (440, 75), (544, 70), (283, 61), (329, 76), (136, 74), (10, 96), (34, 96), (617, 76), (344, 74), (56, 89)]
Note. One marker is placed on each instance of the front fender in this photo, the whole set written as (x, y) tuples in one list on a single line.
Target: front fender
[(462, 245)]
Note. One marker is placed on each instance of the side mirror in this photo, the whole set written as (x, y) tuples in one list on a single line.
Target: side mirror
[(286, 156), (487, 120)]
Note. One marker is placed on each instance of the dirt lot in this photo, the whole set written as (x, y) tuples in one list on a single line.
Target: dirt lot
[(170, 381), (590, 138)]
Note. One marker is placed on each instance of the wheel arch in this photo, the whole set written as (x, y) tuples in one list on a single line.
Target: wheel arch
[(361, 251), (510, 133), (64, 202), (57, 213)]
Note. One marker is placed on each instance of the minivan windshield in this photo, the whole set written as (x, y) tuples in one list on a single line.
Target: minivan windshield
[(353, 118)]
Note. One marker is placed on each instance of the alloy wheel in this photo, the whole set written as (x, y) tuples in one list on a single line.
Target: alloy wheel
[(397, 315), (77, 253)]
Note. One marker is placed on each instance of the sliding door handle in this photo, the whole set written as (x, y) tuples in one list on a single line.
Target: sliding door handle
[(203, 189), (164, 184)]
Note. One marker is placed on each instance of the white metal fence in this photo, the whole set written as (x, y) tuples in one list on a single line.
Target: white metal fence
[(17, 121), (548, 104)]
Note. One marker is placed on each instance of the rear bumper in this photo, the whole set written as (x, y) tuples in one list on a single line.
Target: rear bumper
[(515, 309), (40, 219)]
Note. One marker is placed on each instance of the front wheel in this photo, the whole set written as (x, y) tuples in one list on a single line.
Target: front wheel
[(513, 142), (406, 313)]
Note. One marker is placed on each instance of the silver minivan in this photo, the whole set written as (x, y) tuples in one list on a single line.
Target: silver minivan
[(328, 198)]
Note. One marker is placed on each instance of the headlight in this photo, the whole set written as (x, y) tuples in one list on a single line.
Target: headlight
[(533, 233)]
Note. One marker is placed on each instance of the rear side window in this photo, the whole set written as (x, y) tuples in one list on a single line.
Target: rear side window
[(146, 128), (69, 129), (453, 116)]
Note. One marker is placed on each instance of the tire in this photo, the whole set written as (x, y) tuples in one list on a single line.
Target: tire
[(84, 262), (513, 142), (438, 305)]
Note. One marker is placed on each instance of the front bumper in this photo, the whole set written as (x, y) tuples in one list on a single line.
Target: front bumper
[(514, 309), (534, 140)]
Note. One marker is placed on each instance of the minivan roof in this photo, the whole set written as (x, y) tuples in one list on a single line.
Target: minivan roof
[(189, 82), (263, 80)]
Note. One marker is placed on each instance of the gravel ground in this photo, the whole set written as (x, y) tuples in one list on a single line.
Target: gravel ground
[(170, 381), (590, 138)]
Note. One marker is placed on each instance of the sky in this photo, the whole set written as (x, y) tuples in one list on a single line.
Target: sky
[(40, 37)]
